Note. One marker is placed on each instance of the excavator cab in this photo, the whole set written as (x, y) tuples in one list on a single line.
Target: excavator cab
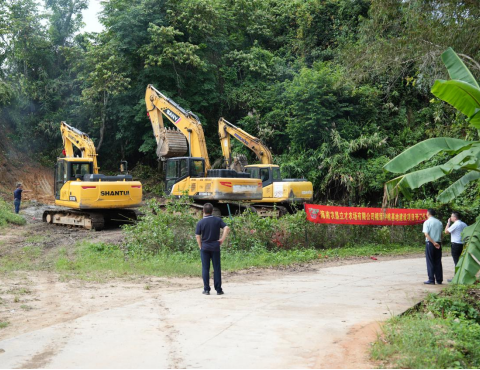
[(267, 173), (68, 170), (180, 168)]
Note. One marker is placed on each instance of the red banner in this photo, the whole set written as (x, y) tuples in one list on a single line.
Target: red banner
[(364, 216)]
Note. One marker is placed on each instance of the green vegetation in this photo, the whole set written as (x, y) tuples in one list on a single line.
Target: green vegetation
[(7, 216), (462, 92), (97, 260), (162, 243), (4, 324), (335, 87), (169, 227), (442, 333)]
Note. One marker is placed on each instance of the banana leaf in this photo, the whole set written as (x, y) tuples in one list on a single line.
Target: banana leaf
[(457, 69), (461, 95), (469, 263), (424, 151), (467, 160), (458, 187)]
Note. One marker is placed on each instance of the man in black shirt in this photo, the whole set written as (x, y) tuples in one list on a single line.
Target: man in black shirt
[(208, 239)]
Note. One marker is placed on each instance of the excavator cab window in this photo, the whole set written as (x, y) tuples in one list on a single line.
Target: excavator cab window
[(254, 172), (61, 170), (78, 170), (171, 175), (197, 168), (264, 174), (183, 168), (180, 168), (276, 174)]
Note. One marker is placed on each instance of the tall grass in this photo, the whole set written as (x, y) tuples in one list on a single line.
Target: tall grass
[(443, 333), (7, 215)]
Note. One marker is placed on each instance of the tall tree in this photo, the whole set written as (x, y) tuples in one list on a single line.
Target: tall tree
[(65, 19), (102, 76)]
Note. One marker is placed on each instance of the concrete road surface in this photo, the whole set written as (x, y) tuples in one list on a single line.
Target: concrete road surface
[(324, 318)]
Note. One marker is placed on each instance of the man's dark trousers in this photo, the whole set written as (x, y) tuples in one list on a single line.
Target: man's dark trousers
[(434, 262), (217, 275), (457, 250), (16, 203)]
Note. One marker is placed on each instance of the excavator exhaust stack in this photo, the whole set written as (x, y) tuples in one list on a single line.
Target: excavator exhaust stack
[(172, 143)]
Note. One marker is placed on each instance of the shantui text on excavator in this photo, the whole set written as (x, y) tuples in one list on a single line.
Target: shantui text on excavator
[(91, 199)]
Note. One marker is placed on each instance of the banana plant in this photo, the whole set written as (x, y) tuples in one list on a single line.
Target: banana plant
[(462, 92)]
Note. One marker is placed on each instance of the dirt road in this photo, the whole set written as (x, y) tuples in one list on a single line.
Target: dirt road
[(322, 318)]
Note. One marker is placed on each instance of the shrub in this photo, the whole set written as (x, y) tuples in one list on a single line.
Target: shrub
[(170, 227), (162, 227), (8, 216), (444, 332)]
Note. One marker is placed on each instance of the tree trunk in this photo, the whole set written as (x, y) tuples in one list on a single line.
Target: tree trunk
[(104, 119), (102, 134)]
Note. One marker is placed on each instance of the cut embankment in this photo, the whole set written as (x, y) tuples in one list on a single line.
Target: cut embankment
[(18, 166)]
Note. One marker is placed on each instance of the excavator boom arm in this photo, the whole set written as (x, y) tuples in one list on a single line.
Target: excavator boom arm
[(185, 121), (73, 137), (227, 130)]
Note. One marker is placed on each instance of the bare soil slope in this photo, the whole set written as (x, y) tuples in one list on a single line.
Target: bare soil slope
[(17, 165)]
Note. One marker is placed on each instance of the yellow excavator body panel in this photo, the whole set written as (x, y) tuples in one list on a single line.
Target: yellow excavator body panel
[(283, 191), (100, 194), (288, 192), (213, 188)]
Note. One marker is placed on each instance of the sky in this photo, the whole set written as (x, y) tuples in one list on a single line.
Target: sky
[(90, 17)]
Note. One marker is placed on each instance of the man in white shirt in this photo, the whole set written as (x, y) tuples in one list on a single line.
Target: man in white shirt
[(454, 228), (432, 228)]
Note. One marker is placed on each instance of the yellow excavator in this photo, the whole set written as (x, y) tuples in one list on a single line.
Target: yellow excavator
[(92, 199), (193, 175), (284, 192)]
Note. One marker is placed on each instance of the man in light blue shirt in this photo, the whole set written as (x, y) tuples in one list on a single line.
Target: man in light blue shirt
[(432, 228), (455, 230)]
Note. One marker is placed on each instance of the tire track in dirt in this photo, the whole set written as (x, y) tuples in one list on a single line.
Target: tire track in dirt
[(171, 334)]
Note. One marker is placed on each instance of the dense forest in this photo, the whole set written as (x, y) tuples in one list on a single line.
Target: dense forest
[(335, 87)]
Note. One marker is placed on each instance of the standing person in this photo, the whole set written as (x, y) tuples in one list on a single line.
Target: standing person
[(432, 228), (456, 232), (209, 241), (17, 197)]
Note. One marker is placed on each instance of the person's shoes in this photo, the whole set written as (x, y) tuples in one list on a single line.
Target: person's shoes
[(206, 292), (220, 292), (439, 283), (429, 282), (449, 280)]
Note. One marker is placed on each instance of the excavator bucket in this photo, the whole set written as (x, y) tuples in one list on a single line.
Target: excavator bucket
[(239, 162), (172, 143)]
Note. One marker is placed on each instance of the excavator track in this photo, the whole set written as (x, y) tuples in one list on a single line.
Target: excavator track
[(274, 211), (95, 220)]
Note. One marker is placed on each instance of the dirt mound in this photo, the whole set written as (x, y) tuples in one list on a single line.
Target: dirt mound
[(16, 166)]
